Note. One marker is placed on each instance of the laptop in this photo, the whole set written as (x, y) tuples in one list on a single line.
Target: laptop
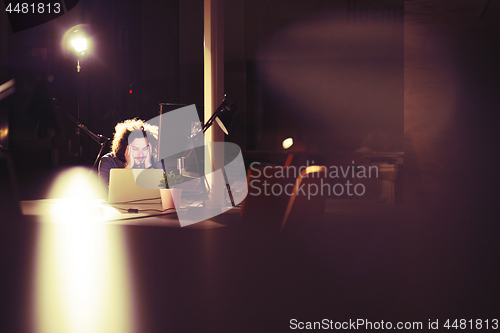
[(134, 185)]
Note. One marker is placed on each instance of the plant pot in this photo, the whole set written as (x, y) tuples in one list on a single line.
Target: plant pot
[(170, 197)]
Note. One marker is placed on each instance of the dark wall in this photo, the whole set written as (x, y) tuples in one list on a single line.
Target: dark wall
[(136, 48), (293, 67), (452, 79), (327, 73)]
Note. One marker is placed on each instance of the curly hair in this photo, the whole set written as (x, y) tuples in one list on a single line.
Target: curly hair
[(137, 128)]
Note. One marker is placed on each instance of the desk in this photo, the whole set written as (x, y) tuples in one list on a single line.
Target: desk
[(231, 279), (60, 210)]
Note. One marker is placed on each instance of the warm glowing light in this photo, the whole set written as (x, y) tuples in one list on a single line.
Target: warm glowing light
[(130, 91), (80, 44), (314, 168), (78, 41), (4, 132), (77, 183), (287, 143), (82, 279)]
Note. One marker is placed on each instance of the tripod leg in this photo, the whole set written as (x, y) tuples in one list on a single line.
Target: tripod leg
[(228, 188), (98, 156)]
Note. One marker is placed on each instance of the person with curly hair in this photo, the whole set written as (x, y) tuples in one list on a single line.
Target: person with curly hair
[(134, 147)]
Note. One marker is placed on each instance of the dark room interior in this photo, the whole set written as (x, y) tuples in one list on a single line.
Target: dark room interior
[(410, 89)]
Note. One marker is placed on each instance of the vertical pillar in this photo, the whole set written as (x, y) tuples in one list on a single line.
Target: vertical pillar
[(214, 93)]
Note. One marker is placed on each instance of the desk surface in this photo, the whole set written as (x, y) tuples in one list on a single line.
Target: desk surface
[(150, 214), (226, 279)]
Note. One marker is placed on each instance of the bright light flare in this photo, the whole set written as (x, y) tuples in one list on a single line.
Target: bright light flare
[(77, 192), (82, 280), (313, 168), (76, 183), (80, 44), (77, 41), (287, 143)]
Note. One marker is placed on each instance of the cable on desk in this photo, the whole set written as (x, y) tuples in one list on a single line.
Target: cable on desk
[(133, 201), (136, 210)]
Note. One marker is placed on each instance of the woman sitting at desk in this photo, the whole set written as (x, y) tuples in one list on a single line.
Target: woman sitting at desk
[(134, 147)]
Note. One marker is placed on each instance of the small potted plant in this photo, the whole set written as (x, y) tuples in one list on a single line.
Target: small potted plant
[(169, 194)]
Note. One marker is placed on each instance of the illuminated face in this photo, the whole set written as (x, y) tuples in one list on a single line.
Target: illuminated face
[(139, 151)]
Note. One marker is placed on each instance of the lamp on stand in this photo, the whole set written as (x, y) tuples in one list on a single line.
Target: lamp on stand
[(77, 43)]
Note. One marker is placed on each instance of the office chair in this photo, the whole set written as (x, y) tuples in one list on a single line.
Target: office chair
[(306, 205), (267, 199)]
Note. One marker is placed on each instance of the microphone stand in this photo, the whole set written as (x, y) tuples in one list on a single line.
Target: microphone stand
[(224, 106), (99, 138)]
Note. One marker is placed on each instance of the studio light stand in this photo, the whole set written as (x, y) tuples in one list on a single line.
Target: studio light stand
[(76, 43), (78, 139)]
